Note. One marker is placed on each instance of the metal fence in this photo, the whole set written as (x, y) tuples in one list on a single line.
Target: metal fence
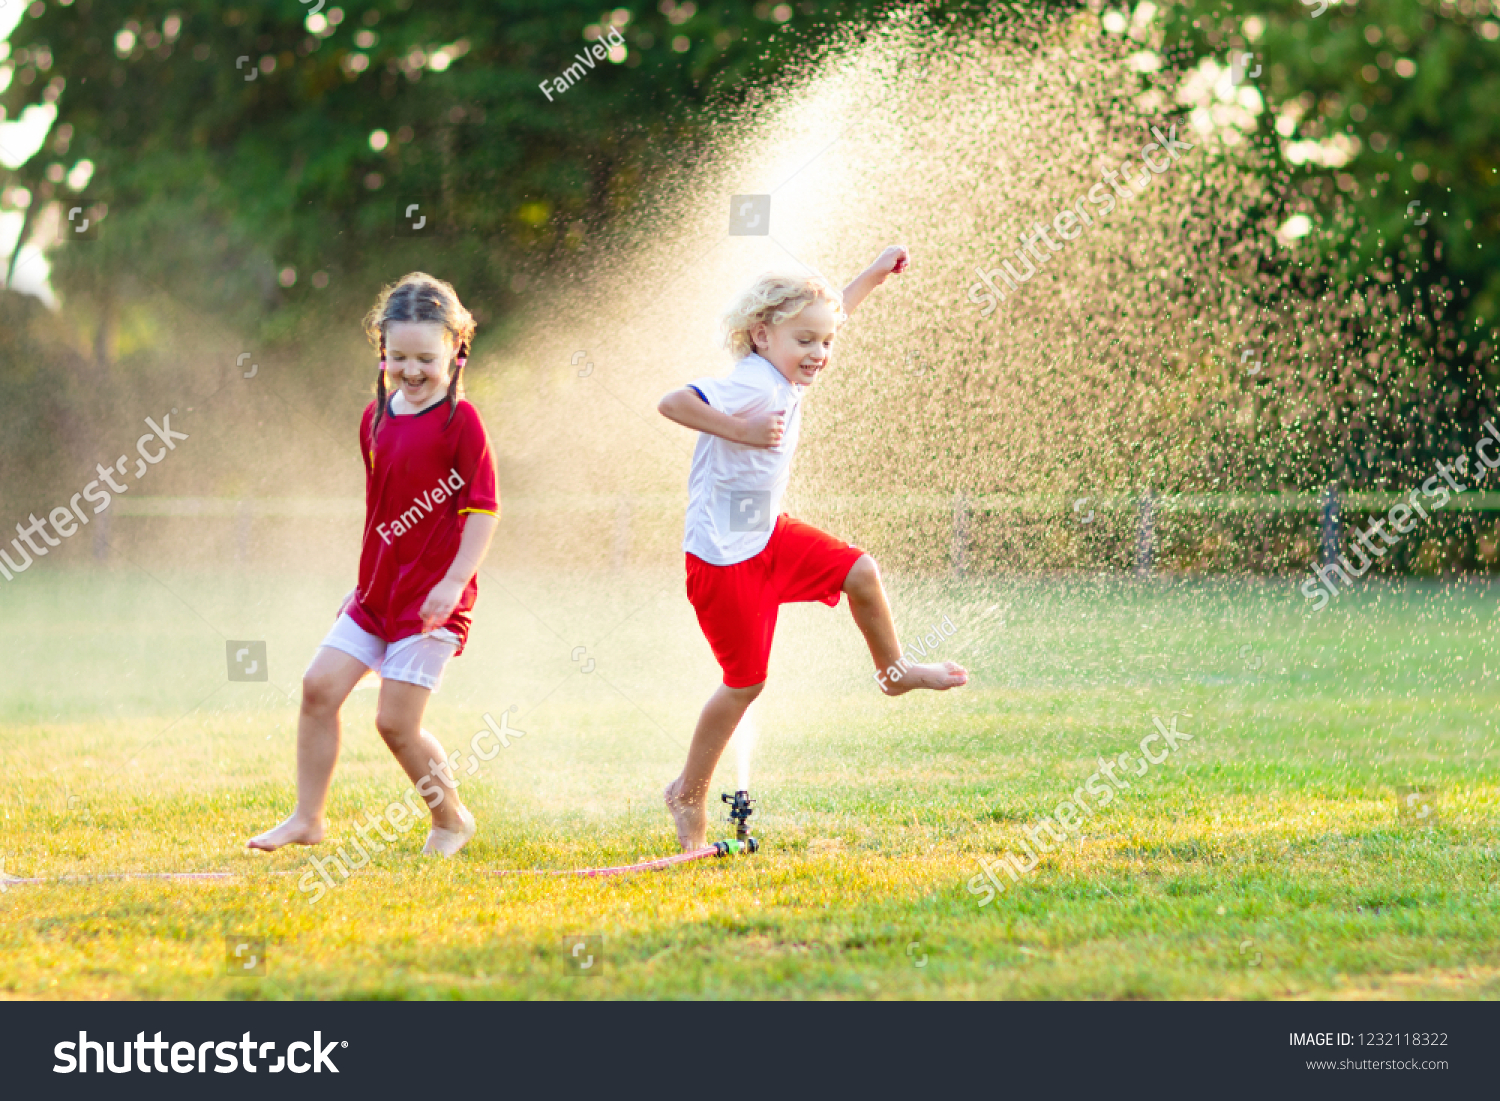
[(619, 514)]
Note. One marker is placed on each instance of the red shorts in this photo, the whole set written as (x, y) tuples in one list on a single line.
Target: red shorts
[(737, 604)]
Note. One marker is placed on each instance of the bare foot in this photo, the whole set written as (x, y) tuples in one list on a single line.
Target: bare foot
[(691, 820), (294, 831), (447, 842), (939, 677)]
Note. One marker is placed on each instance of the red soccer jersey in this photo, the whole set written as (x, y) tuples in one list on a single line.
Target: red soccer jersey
[(421, 480)]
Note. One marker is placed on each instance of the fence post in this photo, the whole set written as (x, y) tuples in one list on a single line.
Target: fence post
[(1145, 535), (1330, 538), (242, 532), (959, 552), (101, 535)]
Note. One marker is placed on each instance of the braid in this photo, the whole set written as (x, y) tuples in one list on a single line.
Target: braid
[(379, 396), (458, 370)]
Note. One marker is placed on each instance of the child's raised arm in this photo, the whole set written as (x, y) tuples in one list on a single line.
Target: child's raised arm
[(891, 260), (691, 411)]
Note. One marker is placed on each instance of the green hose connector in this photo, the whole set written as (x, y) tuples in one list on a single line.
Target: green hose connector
[(733, 847)]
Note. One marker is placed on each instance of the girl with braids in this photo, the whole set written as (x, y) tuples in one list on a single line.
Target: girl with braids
[(431, 508)]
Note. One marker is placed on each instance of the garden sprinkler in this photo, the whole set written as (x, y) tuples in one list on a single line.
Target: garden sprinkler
[(741, 808)]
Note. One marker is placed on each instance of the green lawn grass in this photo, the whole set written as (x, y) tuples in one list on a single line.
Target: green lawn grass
[(1266, 858)]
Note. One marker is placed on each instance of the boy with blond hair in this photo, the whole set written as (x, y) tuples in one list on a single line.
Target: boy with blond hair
[(744, 558)]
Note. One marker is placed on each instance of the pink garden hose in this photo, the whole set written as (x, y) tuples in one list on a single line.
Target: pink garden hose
[(742, 843)]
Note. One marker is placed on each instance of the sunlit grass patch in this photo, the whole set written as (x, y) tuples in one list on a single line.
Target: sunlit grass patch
[(1273, 855)]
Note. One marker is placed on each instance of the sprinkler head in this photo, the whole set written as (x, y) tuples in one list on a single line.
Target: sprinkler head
[(741, 808)]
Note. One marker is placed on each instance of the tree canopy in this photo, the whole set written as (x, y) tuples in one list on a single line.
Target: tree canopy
[(243, 155), (251, 159)]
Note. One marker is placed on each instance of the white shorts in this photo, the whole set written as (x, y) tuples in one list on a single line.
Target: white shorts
[(416, 659)]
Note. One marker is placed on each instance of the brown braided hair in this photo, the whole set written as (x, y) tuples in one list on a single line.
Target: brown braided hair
[(420, 297)]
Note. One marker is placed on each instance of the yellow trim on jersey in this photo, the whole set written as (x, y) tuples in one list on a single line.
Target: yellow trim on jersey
[(484, 511)]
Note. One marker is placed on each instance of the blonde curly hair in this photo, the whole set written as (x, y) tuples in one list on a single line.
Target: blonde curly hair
[(772, 299)]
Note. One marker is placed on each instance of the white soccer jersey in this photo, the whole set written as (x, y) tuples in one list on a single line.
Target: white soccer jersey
[(734, 490)]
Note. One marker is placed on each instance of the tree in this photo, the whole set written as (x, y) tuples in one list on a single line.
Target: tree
[(1381, 117), (246, 156)]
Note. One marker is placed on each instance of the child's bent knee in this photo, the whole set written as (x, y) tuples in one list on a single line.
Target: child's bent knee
[(320, 694), (394, 735), (864, 574)]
